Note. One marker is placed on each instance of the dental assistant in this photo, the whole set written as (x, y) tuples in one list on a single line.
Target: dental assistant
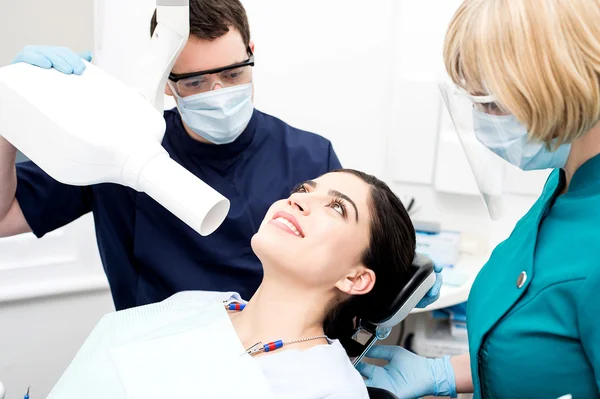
[(526, 85)]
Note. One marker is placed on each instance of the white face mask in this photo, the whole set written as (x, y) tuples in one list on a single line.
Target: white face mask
[(171, 349), (507, 138), (219, 116)]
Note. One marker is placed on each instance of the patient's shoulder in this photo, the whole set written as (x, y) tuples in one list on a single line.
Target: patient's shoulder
[(319, 372), (204, 296)]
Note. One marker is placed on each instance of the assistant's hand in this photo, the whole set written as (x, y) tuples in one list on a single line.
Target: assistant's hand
[(434, 292), (409, 375), (59, 58)]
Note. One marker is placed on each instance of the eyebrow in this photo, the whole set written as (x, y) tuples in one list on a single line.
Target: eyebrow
[(335, 193)]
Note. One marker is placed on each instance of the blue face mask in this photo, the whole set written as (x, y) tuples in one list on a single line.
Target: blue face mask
[(219, 116), (507, 138)]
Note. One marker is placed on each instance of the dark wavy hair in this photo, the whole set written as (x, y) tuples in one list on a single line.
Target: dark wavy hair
[(211, 19), (390, 253)]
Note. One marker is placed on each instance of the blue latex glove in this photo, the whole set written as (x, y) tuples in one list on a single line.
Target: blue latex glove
[(434, 292), (409, 375), (59, 58)]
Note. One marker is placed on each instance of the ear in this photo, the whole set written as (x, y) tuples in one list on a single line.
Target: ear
[(168, 91), (251, 45), (359, 282)]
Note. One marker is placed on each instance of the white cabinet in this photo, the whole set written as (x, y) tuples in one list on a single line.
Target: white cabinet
[(62, 262)]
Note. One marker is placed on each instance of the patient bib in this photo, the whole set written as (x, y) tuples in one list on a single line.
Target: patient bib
[(176, 348)]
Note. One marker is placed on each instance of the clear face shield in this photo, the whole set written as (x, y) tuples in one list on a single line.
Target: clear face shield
[(475, 121)]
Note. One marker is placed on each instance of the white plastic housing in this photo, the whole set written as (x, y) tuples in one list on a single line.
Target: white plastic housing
[(91, 129), (169, 39), (410, 303)]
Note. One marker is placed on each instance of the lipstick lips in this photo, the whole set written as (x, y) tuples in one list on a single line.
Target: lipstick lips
[(286, 221)]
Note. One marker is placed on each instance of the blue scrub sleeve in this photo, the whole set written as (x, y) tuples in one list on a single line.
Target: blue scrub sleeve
[(46, 203), (334, 162), (589, 324)]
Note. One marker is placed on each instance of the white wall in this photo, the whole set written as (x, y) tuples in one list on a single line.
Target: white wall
[(122, 30), (325, 66), (56, 22)]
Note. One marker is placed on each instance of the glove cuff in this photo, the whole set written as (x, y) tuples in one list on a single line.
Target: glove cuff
[(445, 380)]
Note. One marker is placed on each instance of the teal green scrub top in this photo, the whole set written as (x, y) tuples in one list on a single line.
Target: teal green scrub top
[(534, 310)]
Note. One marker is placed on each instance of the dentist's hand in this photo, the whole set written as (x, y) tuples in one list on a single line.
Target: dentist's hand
[(434, 292), (59, 58), (408, 375)]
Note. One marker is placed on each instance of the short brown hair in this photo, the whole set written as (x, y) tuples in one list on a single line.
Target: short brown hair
[(211, 19)]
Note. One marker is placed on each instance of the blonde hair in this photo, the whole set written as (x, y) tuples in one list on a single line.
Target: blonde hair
[(540, 59)]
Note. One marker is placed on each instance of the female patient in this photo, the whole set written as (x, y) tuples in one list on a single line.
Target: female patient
[(337, 249)]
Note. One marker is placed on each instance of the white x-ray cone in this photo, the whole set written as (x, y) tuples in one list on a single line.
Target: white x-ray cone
[(91, 129)]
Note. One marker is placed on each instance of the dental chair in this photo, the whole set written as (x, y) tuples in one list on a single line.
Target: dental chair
[(380, 325)]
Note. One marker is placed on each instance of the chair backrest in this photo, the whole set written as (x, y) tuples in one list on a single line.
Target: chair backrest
[(408, 296), (377, 393), (421, 280)]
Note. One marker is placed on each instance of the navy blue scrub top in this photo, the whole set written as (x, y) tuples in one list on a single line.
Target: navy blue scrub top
[(147, 252)]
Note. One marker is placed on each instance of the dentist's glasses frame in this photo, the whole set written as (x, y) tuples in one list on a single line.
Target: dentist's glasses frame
[(189, 84)]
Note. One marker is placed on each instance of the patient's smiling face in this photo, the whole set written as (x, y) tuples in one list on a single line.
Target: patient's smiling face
[(317, 236)]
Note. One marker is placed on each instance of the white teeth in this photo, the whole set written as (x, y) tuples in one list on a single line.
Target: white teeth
[(289, 224)]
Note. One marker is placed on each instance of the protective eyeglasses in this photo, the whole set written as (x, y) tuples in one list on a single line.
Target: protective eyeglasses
[(189, 84), (485, 104)]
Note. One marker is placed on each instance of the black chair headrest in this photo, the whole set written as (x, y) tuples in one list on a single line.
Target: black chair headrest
[(378, 393), (420, 282)]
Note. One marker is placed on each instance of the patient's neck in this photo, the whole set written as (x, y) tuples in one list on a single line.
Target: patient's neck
[(281, 310)]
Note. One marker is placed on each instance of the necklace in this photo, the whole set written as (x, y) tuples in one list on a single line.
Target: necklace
[(259, 347)]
